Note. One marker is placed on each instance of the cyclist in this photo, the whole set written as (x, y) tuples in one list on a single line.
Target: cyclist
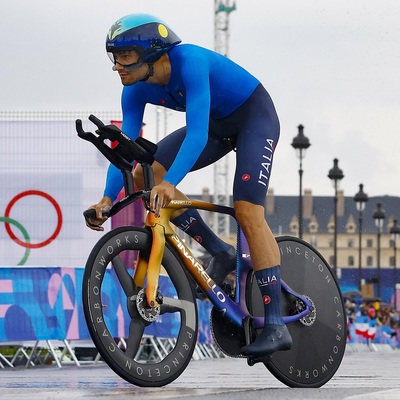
[(226, 108)]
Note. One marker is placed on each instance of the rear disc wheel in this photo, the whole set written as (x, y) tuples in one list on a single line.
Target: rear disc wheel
[(319, 339)]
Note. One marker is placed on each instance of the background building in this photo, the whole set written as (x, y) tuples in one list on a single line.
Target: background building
[(318, 230)]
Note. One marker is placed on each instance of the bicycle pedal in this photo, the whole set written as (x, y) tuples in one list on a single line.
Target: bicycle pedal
[(248, 330), (252, 361)]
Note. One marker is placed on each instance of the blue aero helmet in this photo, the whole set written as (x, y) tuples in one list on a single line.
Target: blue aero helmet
[(149, 36)]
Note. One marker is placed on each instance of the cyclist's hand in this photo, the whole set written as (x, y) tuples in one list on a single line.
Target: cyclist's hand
[(102, 207), (160, 196)]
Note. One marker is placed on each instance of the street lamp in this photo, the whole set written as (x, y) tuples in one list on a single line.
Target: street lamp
[(360, 199), (379, 216), (336, 175), (395, 232), (301, 144)]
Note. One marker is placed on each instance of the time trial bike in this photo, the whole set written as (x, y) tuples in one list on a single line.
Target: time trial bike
[(156, 279)]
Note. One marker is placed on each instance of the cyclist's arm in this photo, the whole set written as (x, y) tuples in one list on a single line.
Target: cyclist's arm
[(195, 76)]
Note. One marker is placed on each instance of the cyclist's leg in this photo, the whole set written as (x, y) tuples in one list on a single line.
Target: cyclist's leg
[(264, 251), (190, 220), (256, 143), (265, 258)]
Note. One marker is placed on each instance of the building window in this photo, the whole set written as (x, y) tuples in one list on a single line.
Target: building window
[(351, 261), (370, 243), (331, 242), (313, 228), (350, 243), (313, 225), (294, 227), (331, 260), (350, 228), (369, 261), (313, 241)]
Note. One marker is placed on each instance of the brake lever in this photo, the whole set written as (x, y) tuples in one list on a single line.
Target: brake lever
[(146, 199), (91, 214)]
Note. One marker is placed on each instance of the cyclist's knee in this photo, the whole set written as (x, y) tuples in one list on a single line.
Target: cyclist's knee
[(249, 214), (138, 177), (158, 170)]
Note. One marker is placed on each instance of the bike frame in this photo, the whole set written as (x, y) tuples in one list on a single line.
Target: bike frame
[(163, 232)]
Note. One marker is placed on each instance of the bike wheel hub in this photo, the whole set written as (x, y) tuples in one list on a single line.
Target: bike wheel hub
[(310, 318), (147, 313)]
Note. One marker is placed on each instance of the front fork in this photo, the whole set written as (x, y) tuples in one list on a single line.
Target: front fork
[(151, 268)]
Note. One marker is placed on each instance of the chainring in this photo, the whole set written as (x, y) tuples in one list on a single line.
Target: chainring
[(229, 337)]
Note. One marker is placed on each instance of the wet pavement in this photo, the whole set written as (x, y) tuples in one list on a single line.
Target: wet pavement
[(363, 375)]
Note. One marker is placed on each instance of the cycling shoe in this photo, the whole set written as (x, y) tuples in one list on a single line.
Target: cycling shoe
[(273, 338)]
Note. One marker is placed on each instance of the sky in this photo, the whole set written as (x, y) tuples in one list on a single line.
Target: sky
[(330, 66)]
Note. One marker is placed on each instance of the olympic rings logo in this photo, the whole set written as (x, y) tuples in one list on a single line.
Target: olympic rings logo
[(26, 243)]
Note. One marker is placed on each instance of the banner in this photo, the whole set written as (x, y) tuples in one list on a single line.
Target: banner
[(48, 178), (41, 304), (45, 303)]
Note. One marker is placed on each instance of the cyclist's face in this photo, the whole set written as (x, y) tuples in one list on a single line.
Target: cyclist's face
[(128, 68)]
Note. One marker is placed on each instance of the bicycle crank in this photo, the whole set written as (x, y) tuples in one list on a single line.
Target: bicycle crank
[(229, 337)]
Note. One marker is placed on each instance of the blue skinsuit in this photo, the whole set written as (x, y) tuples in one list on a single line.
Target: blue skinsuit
[(221, 101)]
